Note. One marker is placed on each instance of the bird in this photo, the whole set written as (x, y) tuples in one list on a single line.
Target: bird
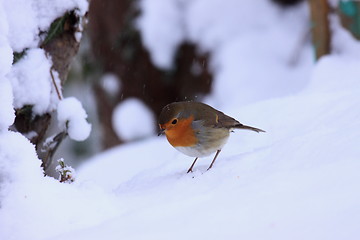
[(197, 129)]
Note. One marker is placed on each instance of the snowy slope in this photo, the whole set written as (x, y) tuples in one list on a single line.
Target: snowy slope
[(300, 180)]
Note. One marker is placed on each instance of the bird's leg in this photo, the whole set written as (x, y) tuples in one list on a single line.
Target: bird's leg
[(192, 165), (212, 163)]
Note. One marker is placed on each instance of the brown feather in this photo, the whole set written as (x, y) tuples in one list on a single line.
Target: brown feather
[(209, 116), (242, 126)]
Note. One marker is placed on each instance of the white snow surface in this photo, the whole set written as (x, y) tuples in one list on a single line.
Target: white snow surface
[(6, 97), (133, 120), (7, 115), (72, 117), (299, 180)]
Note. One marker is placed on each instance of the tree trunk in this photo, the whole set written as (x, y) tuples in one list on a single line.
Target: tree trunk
[(319, 12)]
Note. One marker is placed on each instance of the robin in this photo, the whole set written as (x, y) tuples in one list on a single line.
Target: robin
[(196, 129)]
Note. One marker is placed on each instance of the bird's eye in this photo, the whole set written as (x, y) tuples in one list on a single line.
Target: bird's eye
[(174, 121)]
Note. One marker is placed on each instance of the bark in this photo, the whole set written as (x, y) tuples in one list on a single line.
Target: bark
[(63, 46), (319, 12)]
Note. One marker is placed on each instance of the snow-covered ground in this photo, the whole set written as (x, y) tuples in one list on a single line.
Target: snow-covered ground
[(299, 180)]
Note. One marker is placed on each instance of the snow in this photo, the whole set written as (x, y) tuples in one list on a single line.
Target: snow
[(296, 181), (25, 191), (132, 120), (299, 180), (5, 49), (72, 117), (6, 108), (155, 31), (23, 21), (15, 150), (28, 18), (32, 83)]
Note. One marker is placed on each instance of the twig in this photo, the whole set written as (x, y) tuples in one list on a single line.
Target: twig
[(55, 85), (51, 149)]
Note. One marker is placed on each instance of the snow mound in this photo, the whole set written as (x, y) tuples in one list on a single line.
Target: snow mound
[(72, 117), (32, 82), (6, 97), (26, 195), (6, 108), (15, 150)]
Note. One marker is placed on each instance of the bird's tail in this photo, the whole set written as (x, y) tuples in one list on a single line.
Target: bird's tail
[(242, 126)]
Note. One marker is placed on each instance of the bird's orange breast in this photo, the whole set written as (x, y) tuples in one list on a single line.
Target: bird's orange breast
[(182, 134)]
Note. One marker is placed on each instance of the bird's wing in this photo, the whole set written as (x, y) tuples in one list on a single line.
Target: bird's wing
[(217, 119), (224, 121)]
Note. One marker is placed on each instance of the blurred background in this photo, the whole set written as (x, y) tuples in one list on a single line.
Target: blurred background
[(136, 56)]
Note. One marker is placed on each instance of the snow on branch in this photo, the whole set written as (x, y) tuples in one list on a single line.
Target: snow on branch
[(72, 118)]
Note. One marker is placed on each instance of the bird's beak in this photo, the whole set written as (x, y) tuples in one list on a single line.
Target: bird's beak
[(161, 131)]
